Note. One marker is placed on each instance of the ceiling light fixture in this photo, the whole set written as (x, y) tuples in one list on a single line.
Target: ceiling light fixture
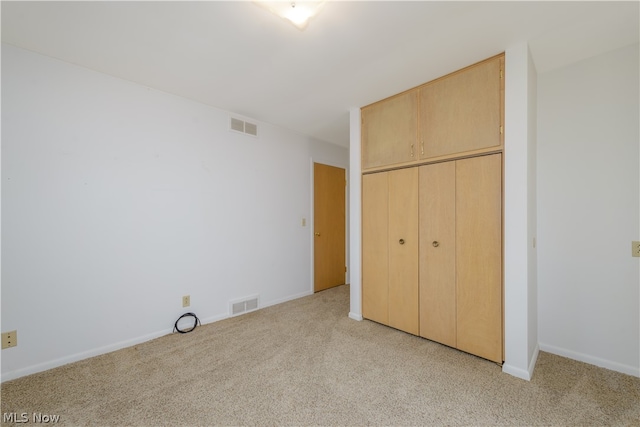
[(297, 12)]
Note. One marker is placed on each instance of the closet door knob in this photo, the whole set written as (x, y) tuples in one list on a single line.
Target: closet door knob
[(401, 241), (435, 244), (317, 234)]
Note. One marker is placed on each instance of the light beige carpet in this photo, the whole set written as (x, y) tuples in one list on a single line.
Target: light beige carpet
[(305, 362)]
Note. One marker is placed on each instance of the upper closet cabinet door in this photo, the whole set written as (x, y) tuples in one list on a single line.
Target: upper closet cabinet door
[(462, 112), (389, 131)]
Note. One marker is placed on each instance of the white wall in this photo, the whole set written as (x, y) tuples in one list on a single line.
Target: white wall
[(520, 310), (588, 186), (355, 209), (532, 212), (118, 199)]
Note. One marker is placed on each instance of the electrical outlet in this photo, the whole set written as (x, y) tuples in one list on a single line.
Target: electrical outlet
[(635, 249), (186, 301), (9, 339)]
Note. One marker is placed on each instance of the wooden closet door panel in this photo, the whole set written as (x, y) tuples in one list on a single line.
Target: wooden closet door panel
[(461, 112), (389, 129), (479, 256), (438, 261), (403, 250), (375, 247)]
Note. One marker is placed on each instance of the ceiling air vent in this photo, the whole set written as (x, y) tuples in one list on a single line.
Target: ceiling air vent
[(242, 126)]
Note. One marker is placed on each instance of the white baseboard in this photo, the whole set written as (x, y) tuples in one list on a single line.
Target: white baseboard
[(592, 360), (524, 374), (213, 319), (355, 316), (289, 298), (534, 359), (12, 375)]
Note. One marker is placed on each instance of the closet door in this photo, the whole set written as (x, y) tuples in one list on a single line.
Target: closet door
[(479, 256), (403, 250), (375, 247), (438, 252)]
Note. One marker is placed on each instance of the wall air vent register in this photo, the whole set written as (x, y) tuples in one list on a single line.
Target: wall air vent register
[(244, 305), (238, 125)]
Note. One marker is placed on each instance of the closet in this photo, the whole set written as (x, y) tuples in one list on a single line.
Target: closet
[(432, 210)]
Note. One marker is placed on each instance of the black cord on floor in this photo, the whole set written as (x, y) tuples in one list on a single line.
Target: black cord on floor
[(184, 331)]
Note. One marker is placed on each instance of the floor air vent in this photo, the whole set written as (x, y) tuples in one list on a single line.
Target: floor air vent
[(244, 305), (242, 126)]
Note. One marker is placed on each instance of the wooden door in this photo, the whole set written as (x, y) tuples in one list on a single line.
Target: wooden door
[(438, 252), (403, 250), (389, 131), (479, 256), (462, 112), (375, 247), (329, 226)]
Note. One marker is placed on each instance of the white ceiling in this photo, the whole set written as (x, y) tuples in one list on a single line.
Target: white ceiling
[(238, 57)]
